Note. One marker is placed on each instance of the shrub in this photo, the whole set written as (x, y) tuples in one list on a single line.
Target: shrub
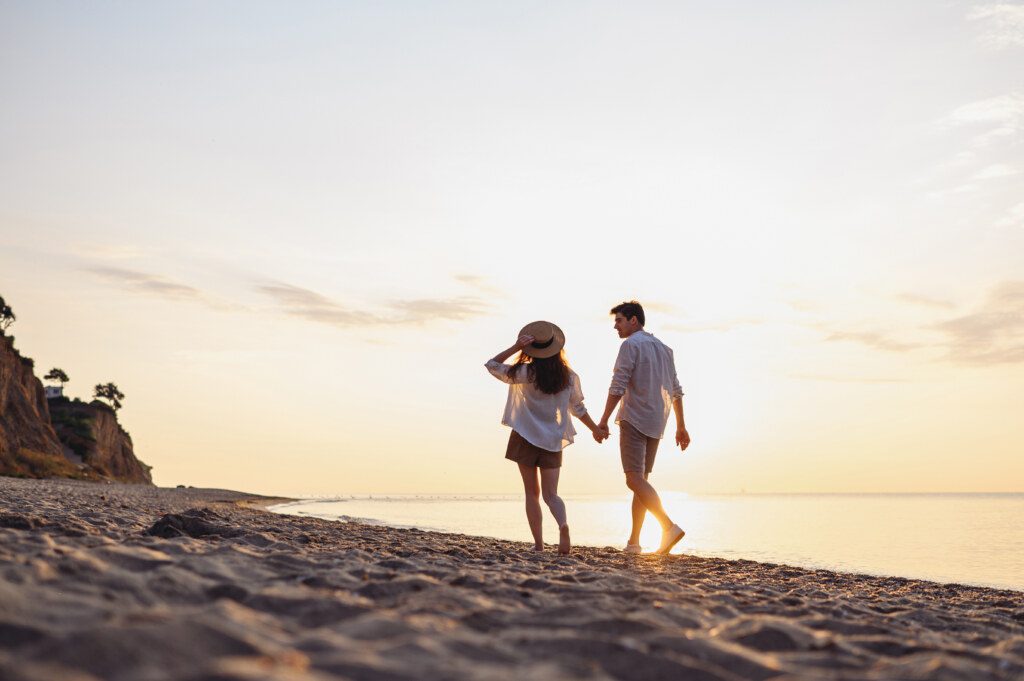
[(75, 431), (26, 463)]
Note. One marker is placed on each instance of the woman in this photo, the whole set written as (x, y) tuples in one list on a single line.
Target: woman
[(542, 392)]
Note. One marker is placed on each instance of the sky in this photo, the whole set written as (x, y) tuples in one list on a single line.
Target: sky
[(292, 233)]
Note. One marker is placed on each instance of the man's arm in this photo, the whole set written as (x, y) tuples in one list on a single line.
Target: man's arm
[(623, 371), (600, 434), (609, 407), (682, 437)]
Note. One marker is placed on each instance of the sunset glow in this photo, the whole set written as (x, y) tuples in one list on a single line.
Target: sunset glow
[(293, 234)]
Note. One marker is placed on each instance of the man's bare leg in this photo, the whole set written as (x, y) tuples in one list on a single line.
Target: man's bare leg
[(534, 516), (639, 512), (648, 497)]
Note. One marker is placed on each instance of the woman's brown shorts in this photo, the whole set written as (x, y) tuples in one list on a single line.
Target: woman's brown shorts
[(521, 451)]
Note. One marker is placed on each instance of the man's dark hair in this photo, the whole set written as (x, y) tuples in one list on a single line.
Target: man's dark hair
[(630, 310)]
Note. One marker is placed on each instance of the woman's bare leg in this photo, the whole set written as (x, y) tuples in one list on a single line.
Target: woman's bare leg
[(549, 488), (534, 516)]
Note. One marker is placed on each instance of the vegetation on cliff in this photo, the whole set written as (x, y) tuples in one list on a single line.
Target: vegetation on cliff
[(7, 316), (110, 393), (57, 375), (58, 437)]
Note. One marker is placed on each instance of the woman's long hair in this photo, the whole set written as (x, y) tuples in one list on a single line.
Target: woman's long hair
[(549, 374)]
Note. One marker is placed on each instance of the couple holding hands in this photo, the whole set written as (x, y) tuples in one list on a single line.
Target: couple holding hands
[(543, 392)]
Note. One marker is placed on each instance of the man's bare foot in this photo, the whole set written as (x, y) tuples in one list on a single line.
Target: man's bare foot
[(563, 540), (538, 547)]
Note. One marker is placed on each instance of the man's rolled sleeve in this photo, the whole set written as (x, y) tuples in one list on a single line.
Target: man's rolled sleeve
[(624, 365), (677, 389)]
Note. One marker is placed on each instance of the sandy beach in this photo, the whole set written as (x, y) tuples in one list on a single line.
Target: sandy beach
[(125, 582)]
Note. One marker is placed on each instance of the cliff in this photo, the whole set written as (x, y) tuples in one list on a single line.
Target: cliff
[(93, 435), (29, 446), (58, 438)]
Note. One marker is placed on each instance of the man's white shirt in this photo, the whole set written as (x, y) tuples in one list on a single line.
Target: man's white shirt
[(645, 376)]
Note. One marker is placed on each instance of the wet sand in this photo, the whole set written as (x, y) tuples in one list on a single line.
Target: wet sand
[(123, 582)]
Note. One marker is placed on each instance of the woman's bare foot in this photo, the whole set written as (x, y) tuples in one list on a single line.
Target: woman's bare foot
[(538, 547), (563, 540)]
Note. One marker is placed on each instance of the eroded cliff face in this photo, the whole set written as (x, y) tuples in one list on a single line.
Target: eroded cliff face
[(58, 438), (28, 443), (91, 431)]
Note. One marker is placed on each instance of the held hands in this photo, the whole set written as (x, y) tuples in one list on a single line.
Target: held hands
[(682, 438), (600, 432)]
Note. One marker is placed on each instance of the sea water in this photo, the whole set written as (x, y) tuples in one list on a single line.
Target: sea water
[(973, 539)]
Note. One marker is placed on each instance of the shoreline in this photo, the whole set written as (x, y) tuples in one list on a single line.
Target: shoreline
[(126, 581), (686, 552), (928, 551)]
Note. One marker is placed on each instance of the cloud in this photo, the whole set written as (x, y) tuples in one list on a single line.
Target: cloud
[(1002, 24), (315, 307), (481, 284), (143, 282), (659, 306), (925, 301), (1001, 117), (306, 304), (470, 279), (425, 309), (155, 285), (990, 130), (991, 334), (995, 172), (873, 340), (1014, 217), (994, 333)]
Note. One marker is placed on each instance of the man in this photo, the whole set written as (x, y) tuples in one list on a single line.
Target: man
[(645, 382)]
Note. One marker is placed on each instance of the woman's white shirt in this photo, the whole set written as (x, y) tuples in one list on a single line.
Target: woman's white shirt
[(543, 420)]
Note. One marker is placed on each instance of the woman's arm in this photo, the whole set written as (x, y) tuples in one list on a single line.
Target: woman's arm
[(519, 345), (495, 364), (580, 411), (599, 434)]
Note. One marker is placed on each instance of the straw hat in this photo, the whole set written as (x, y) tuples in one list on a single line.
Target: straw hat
[(548, 339)]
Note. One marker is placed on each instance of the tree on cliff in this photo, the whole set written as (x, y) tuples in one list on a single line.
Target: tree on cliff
[(110, 393), (57, 375), (7, 316)]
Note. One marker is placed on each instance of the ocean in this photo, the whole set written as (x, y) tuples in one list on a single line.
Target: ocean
[(975, 539)]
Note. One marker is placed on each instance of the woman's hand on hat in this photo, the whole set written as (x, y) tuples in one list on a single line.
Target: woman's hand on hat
[(524, 340)]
